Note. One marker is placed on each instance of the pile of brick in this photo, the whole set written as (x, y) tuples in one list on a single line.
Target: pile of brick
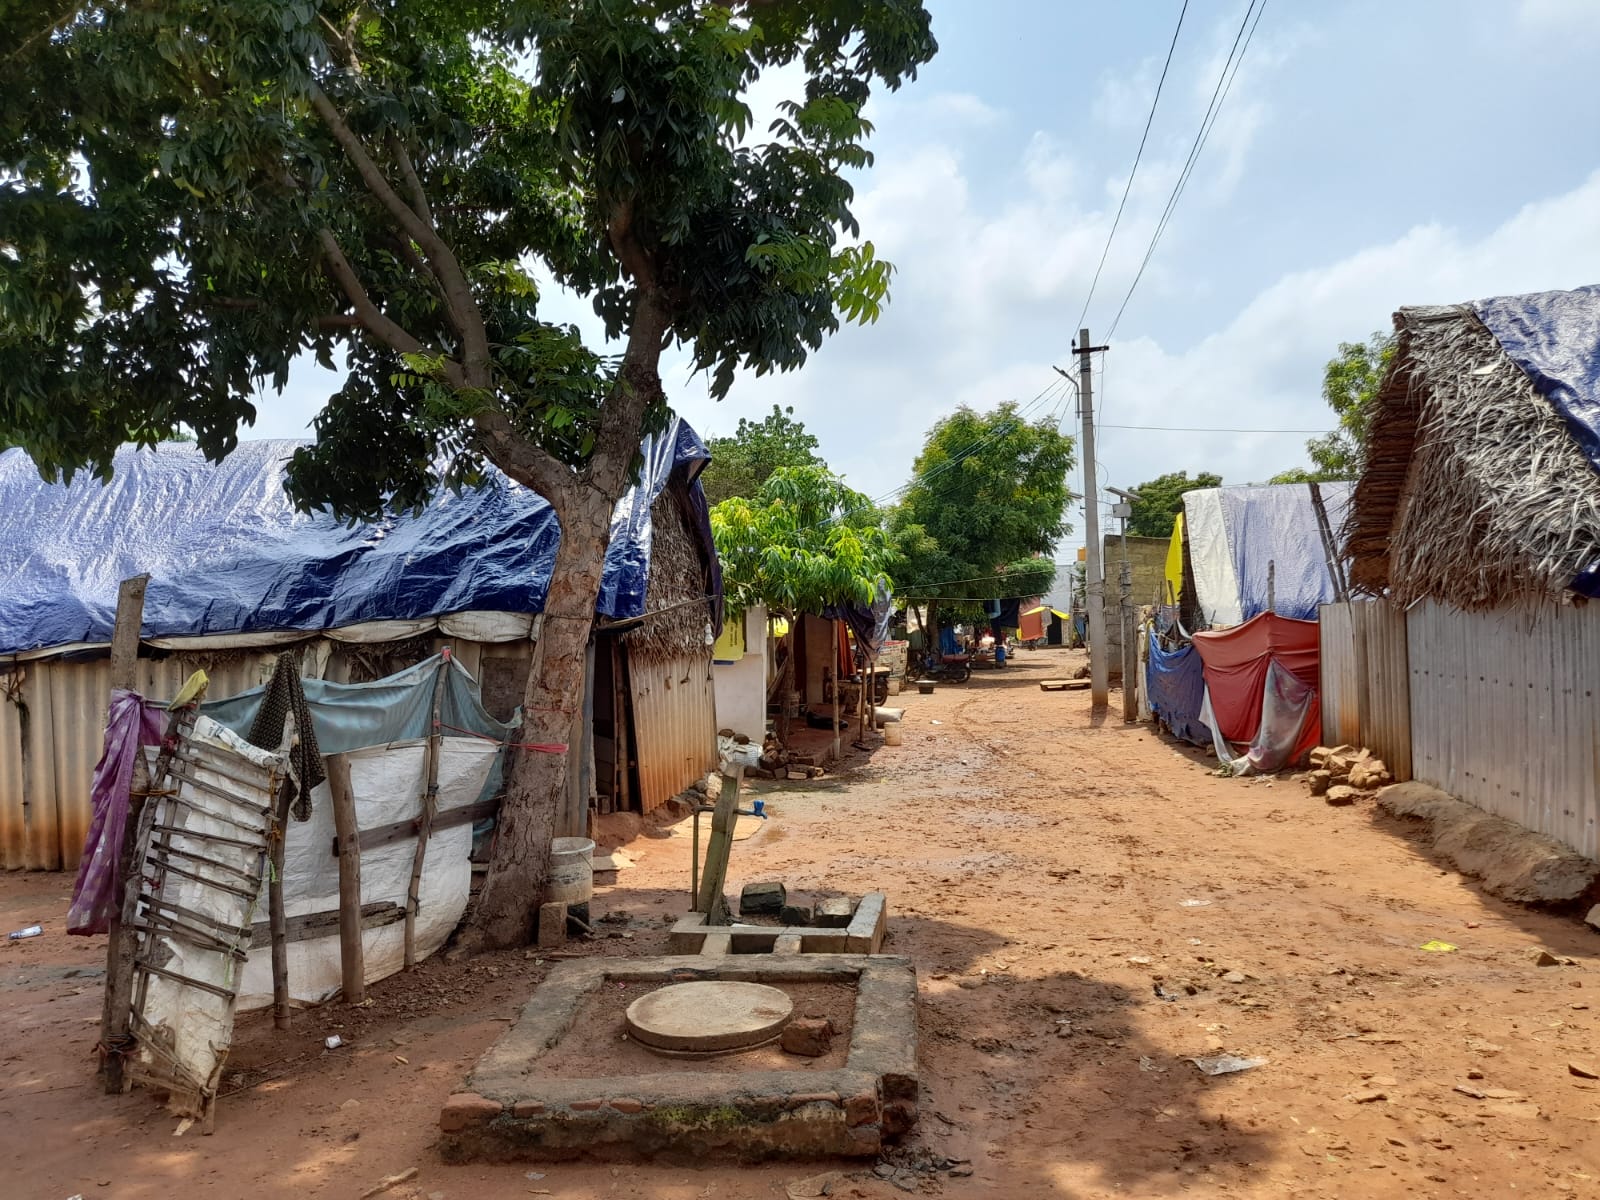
[(778, 762), (1343, 774)]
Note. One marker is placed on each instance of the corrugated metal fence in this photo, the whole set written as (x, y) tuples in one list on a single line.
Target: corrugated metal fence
[(674, 722), (1366, 681), (1496, 708)]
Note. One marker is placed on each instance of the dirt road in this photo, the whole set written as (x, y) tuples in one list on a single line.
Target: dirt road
[(1047, 874)]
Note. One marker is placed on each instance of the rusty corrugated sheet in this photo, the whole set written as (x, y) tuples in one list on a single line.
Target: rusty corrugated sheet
[(44, 784), (674, 724), (1386, 689), (1504, 714), (1341, 706)]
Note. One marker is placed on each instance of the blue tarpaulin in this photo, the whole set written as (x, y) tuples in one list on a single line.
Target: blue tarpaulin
[(1177, 690), (1237, 533), (1555, 338), (227, 553)]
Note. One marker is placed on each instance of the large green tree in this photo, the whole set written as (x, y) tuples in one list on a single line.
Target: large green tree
[(803, 543), (1161, 500), (1350, 383), (194, 194), (740, 464), (984, 510)]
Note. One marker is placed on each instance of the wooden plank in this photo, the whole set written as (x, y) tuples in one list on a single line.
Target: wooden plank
[(1062, 685), (121, 945), (430, 803), (715, 874), (402, 831), (352, 956), (304, 928), (276, 919)]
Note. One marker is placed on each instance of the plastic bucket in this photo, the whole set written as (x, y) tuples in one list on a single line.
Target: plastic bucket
[(891, 733), (571, 871)]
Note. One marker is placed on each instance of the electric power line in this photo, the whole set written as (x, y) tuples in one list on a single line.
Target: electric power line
[(1209, 429), (1121, 204), (1207, 122)]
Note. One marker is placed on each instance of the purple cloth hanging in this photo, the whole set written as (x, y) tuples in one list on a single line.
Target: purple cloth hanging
[(133, 722)]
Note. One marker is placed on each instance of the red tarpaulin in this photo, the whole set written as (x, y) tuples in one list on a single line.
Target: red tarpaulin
[(1237, 662)]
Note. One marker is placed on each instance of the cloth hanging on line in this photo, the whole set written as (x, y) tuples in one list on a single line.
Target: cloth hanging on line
[(285, 697)]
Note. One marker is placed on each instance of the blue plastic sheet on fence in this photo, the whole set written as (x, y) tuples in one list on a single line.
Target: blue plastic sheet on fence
[(227, 553), (1177, 690), (1277, 525)]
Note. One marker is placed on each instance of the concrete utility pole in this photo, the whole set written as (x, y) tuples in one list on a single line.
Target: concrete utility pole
[(1094, 582)]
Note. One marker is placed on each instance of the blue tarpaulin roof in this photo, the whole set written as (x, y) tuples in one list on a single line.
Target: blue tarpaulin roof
[(227, 553), (1555, 338)]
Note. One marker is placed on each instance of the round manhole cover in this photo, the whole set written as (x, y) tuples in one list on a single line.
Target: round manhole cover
[(709, 1017)]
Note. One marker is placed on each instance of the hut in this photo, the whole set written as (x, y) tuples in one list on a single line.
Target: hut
[(1474, 533), (237, 575)]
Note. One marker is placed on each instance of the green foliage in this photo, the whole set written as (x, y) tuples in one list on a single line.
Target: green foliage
[(1350, 385), (742, 463), (1161, 500), (989, 498), (194, 194), (803, 542)]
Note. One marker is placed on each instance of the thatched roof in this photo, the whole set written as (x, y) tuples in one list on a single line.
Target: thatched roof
[(1474, 491), (676, 609)]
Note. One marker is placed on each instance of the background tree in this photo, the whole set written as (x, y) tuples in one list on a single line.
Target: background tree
[(1161, 500), (193, 194), (803, 543), (742, 463), (1350, 385), (989, 497)]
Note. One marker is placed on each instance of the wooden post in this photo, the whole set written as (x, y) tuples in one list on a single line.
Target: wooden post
[(275, 915), (119, 949), (838, 682), (430, 803), (1130, 650), (714, 875), (125, 633), (1272, 585), (352, 955)]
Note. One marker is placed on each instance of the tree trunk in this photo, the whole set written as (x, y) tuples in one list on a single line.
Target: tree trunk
[(508, 907)]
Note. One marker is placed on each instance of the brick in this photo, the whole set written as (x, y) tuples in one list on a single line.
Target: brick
[(467, 1108), (552, 924), (835, 912), (626, 1104), (808, 1036), (586, 1105), (762, 898), (799, 1098), (861, 1109), (527, 1108)]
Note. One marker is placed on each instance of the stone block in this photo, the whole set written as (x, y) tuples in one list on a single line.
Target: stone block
[(552, 924), (1369, 773), (795, 914), (1341, 794), (467, 1108), (1319, 782), (811, 1037), (1593, 919), (762, 899), (834, 912)]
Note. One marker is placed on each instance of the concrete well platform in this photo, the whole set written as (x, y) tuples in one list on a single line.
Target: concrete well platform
[(864, 935), (512, 1110)]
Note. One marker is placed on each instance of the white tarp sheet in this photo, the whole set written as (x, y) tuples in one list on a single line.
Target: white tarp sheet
[(387, 783), (1216, 580)]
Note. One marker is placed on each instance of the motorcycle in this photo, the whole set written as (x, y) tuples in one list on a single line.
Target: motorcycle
[(947, 668)]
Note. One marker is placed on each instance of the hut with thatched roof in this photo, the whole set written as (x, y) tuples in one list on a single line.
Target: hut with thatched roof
[(1481, 487), (1475, 526)]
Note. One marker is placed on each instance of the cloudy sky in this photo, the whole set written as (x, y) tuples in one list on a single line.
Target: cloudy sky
[(1367, 155)]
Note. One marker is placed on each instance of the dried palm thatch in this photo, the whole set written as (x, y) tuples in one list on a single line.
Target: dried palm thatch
[(1474, 492), (676, 609)]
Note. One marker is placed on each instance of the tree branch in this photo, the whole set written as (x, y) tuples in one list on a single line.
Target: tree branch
[(372, 318), (524, 460), (419, 198), (459, 301)]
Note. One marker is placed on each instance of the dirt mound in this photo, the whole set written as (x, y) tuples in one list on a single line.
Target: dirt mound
[(1512, 862)]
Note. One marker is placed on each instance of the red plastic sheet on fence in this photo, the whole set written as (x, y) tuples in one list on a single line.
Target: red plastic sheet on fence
[(1237, 664)]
